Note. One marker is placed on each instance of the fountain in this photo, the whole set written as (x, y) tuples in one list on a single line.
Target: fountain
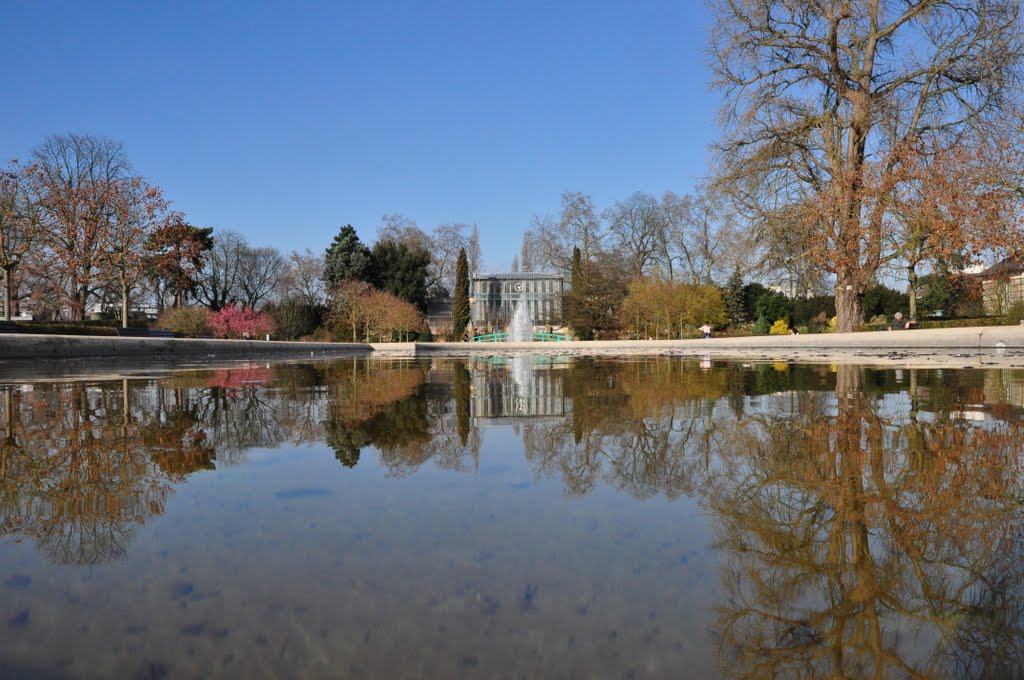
[(521, 328), (522, 377)]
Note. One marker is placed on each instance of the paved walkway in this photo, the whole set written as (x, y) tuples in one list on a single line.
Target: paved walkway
[(945, 338), (1000, 344), (996, 346)]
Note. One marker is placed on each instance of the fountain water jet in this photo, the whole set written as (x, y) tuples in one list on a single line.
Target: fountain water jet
[(521, 328)]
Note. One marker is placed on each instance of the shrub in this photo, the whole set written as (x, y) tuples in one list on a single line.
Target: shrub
[(967, 323), (293, 319), (831, 325), (780, 327), (240, 322), (67, 327), (320, 334), (773, 306), (761, 326), (819, 324), (1016, 312), (187, 322)]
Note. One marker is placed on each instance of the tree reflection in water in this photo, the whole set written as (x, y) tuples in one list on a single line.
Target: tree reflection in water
[(866, 525), (83, 464), (861, 539)]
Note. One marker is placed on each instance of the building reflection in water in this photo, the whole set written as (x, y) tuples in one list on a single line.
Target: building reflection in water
[(521, 387)]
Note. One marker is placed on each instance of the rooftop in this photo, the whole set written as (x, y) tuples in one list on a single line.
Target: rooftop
[(519, 276)]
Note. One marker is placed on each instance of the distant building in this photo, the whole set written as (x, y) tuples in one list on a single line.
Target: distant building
[(1002, 286), (493, 298), (439, 316)]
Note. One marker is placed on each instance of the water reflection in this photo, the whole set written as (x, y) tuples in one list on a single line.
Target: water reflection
[(865, 539), (865, 522)]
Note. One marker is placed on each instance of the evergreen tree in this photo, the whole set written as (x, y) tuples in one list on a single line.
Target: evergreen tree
[(347, 258), (460, 303), (735, 305), (575, 302), (402, 270), (598, 289)]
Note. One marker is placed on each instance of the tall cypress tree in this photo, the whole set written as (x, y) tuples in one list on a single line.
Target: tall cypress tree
[(576, 303), (460, 303)]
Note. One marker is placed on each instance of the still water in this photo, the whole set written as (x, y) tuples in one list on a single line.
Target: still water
[(506, 518)]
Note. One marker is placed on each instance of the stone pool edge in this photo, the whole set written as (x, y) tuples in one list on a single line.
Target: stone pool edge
[(1002, 344), (28, 346)]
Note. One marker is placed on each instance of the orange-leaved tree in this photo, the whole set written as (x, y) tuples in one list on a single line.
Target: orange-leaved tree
[(76, 190), (136, 210), (174, 254), (951, 206), (20, 228)]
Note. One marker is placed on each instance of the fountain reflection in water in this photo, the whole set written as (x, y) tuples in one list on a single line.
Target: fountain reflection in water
[(522, 377), (521, 329)]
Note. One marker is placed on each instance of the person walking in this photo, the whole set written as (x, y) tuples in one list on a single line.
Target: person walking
[(706, 330)]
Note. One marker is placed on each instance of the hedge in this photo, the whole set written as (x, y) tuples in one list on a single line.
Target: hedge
[(967, 323), (103, 328)]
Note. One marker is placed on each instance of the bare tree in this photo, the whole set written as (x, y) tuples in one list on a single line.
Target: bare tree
[(528, 255), (703, 235), (448, 240), (401, 229), (473, 252), (578, 226), (302, 277), (219, 283), (78, 177), (259, 270), (821, 97), (639, 229)]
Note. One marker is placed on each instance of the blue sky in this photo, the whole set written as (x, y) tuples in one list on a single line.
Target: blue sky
[(284, 122)]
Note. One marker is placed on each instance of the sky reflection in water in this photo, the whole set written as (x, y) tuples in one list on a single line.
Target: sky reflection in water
[(514, 517)]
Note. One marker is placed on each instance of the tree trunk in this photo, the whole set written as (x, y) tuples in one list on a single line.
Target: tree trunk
[(849, 306), (124, 305), (79, 302), (912, 293), (7, 294)]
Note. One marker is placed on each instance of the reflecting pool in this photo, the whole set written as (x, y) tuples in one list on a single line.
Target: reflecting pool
[(513, 517)]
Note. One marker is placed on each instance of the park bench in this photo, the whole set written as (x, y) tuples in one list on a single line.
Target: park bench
[(144, 333)]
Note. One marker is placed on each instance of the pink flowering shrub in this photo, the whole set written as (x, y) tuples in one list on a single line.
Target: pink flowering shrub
[(240, 322)]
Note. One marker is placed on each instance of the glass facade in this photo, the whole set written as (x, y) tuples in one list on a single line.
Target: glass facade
[(495, 297)]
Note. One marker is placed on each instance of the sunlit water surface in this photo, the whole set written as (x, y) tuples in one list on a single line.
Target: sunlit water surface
[(526, 517)]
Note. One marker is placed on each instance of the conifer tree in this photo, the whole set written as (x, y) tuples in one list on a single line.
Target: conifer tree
[(460, 302), (347, 258), (734, 303)]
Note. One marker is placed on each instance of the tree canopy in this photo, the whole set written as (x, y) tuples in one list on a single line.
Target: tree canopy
[(402, 270), (823, 100), (347, 258), (460, 303)]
